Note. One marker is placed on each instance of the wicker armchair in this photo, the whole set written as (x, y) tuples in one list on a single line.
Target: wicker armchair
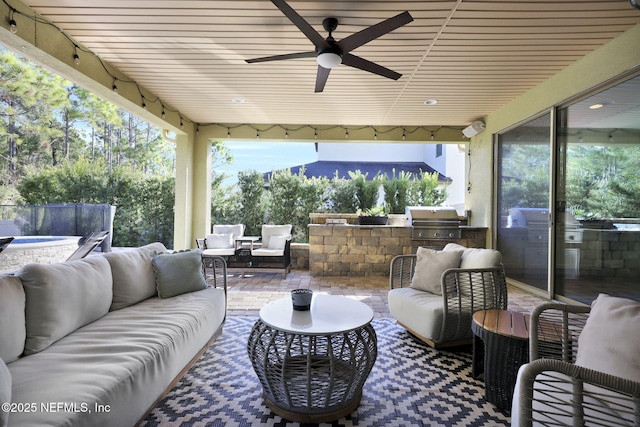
[(552, 390), (444, 320)]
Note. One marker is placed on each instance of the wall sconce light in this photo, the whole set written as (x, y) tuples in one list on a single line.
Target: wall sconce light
[(473, 129)]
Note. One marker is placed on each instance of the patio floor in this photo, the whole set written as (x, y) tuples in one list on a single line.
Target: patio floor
[(247, 295)]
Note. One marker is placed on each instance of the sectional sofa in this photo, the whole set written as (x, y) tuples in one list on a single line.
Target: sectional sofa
[(98, 341)]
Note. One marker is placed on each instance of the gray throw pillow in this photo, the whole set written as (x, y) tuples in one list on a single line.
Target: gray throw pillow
[(5, 392), (178, 273)]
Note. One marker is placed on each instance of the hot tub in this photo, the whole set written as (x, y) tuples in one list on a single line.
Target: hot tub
[(37, 249)]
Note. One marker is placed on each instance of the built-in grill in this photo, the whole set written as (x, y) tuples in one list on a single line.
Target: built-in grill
[(535, 220), (433, 223)]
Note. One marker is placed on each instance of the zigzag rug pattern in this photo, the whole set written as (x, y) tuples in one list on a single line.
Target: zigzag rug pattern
[(411, 384)]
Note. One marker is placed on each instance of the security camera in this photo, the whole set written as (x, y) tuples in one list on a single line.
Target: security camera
[(473, 129)]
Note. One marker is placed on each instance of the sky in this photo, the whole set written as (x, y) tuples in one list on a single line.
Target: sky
[(266, 157)]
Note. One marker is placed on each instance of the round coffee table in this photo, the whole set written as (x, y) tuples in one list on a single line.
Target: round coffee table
[(312, 364)]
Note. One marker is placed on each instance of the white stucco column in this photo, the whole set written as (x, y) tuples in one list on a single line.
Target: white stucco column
[(192, 212)]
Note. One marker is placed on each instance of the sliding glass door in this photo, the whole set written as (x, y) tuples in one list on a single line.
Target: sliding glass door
[(598, 195), (524, 159), (589, 171)]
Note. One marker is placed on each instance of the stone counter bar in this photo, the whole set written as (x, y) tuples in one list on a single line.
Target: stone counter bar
[(366, 250)]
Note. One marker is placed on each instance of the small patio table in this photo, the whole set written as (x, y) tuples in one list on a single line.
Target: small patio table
[(505, 335), (313, 364)]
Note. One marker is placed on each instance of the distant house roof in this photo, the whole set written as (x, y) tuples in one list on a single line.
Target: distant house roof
[(325, 168)]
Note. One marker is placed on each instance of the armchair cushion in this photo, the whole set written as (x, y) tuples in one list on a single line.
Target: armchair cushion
[(237, 230), (220, 241), (610, 340), (476, 257), (419, 311), (269, 230), (278, 242), (430, 264)]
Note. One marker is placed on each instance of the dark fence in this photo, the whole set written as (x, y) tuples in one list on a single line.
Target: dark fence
[(80, 219)]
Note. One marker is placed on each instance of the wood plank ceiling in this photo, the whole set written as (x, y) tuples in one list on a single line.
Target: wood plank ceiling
[(473, 56)]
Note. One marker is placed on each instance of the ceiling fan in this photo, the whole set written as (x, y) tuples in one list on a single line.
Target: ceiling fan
[(330, 53)]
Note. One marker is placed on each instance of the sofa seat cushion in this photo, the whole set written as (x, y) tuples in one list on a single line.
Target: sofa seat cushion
[(124, 360), (219, 252), (60, 298), (133, 278), (418, 310), (13, 330)]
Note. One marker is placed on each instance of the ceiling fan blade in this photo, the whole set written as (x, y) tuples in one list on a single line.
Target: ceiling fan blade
[(282, 57), (321, 78), (299, 22), (372, 67), (355, 40)]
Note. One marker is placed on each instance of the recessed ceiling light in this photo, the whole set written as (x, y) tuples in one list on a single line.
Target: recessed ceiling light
[(238, 100), (431, 102), (601, 104)]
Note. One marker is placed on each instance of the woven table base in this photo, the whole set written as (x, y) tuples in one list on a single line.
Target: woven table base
[(312, 378)]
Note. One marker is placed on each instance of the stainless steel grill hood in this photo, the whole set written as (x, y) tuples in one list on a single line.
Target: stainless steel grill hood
[(433, 222)]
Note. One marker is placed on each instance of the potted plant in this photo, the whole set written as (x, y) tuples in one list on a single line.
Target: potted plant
[(376, 215)]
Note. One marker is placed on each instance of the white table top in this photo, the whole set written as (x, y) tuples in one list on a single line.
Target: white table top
[(329, 314)]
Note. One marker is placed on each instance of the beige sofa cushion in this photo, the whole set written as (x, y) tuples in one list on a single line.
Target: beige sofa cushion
[(63, 297), (133, 278), (5, 392), (13, 331)]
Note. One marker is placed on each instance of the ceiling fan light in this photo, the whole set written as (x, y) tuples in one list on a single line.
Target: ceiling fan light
[(329, 60)]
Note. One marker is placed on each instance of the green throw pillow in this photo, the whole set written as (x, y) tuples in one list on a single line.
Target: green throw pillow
[(178, 273)]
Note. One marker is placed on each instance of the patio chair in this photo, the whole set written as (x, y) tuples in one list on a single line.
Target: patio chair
[(441, 316), (221, 241), (273, 250), (583, 368), (5, 242), (91, 242)]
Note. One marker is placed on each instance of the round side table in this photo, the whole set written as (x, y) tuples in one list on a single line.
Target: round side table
[(313, 364), (506, 347)]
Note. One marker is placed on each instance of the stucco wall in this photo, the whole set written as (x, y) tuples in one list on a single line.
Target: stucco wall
[(611, 60)]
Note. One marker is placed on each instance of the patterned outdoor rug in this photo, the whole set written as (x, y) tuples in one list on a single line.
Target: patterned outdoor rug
[(411, 384)]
